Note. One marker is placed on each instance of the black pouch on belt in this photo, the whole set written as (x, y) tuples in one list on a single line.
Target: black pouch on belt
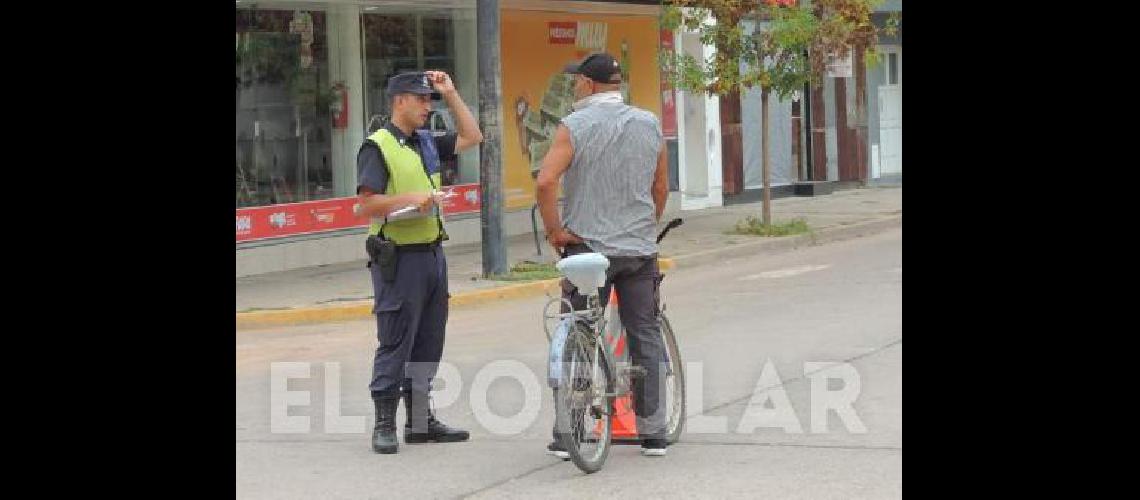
[(387, 261), (382, 253)]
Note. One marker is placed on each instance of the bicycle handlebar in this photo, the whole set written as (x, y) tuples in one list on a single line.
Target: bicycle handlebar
[(672, 224)]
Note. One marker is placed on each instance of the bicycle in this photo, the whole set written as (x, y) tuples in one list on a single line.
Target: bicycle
[(586, 379)]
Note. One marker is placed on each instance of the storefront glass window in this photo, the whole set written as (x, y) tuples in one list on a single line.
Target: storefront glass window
[(283, 107), (441, 39)]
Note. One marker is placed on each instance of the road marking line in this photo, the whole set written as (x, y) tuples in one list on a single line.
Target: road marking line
[(784, 273)]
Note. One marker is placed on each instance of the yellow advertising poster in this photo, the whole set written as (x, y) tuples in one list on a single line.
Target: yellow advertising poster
[(536, 94)]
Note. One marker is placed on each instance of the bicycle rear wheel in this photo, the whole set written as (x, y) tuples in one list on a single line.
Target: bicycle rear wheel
[(583, 403)]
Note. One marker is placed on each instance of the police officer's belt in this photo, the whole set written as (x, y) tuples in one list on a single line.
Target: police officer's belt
[(418, 247)]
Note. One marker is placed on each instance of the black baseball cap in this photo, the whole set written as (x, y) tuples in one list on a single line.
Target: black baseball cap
[(599, 67), (411, 83)]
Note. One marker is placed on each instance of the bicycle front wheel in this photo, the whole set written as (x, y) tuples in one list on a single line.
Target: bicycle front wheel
[(674, 384), (583, 401)]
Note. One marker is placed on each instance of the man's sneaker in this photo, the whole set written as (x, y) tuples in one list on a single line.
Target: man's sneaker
[(555, 448), (653, 447)]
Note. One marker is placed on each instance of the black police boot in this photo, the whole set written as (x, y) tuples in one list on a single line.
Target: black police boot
[(422, 426), (384, 433)]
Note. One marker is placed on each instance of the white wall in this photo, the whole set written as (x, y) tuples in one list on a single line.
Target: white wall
[(698, 141), (295, 253)]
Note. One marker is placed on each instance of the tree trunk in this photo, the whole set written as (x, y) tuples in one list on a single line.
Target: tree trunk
[(860, 70), (818, 123)]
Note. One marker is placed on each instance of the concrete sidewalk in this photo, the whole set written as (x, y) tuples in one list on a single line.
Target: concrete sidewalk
[(344, 291)]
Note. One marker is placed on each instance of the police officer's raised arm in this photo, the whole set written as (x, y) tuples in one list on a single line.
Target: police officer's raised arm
[(469, 134)]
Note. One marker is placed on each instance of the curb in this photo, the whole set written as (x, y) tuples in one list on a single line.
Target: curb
[(769, 246), (360, 310)]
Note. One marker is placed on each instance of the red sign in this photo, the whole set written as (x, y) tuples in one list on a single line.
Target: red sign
[(291, 219), (668, 97), (464, 198), (563, 32), (297, 218)]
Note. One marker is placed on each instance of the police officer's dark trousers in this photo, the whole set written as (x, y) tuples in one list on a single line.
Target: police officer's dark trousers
[(411, 313), (411, 316)]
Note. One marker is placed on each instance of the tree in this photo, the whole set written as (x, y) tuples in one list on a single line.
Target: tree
[(789, 47)]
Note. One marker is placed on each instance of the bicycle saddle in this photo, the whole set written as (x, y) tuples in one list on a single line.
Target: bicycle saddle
[(587, 271)]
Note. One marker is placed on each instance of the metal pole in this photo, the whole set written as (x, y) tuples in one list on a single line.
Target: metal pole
[(766, 206), (490, 158)]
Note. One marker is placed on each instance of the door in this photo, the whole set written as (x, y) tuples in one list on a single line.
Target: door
[(732, 144), (890, 113)]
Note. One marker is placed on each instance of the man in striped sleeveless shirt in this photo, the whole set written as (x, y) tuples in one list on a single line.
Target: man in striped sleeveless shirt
[(610, 159)]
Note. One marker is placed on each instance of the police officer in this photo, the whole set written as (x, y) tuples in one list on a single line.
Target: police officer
[(398, 166)]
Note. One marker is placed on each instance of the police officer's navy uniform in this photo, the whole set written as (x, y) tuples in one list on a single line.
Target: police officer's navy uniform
[(411, 310)]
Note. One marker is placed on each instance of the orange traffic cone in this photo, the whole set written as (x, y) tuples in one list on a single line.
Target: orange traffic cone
[(624, 421)]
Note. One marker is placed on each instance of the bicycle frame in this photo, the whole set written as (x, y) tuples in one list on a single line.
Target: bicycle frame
[(604, 320), (578, 390), (596, 316)]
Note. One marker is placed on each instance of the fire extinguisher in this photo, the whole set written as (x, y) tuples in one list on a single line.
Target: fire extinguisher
[(339, 105)]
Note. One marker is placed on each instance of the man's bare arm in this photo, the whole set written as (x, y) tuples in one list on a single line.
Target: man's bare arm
[(661, 182)]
